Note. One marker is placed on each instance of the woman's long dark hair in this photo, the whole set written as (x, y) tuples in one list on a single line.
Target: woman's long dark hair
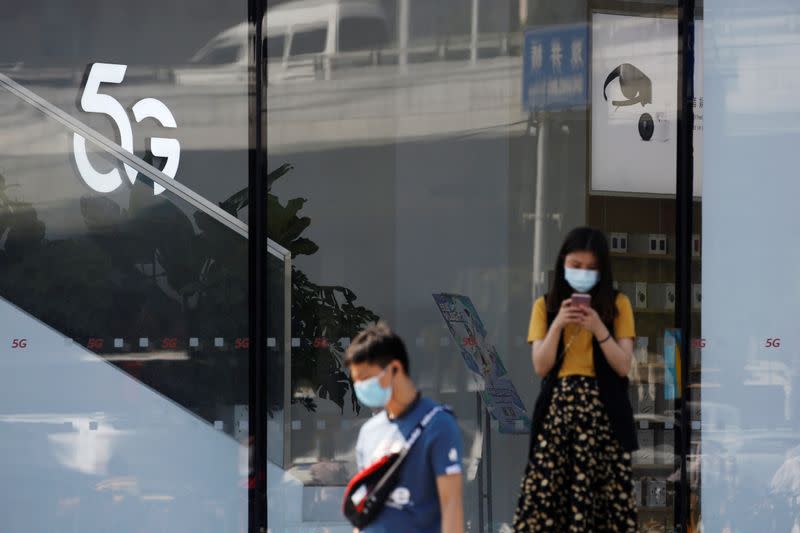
[(586, 240)]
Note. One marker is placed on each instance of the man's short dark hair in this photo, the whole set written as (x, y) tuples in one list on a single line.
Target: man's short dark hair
[(377, 345)]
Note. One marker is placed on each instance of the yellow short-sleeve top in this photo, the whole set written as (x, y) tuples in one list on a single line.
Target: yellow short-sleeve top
[(578, 359)]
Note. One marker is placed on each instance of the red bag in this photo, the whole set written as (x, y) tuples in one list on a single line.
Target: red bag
[(367, 492)]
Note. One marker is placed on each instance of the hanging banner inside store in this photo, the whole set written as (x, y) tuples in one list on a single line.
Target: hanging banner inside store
[(483, 362), (634, 87), (555, 68)]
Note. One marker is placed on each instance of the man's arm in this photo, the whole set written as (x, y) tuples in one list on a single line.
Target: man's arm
[(451, 501)]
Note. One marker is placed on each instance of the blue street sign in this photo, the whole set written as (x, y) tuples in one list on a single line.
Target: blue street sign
[(555, 73)]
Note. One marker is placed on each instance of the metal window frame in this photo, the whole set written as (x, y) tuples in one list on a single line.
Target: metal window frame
[(683, 236), (258, 248)]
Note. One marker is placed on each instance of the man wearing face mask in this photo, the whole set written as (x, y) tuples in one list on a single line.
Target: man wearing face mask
[(427, 496)]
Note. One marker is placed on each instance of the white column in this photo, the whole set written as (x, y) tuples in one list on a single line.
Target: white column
[(538, 221), (473, 47), (403, 22)]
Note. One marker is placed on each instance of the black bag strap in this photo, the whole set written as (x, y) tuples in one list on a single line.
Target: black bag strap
[(412, 439)]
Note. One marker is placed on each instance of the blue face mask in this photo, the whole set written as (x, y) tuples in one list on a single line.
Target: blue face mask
[(370, 393), (580, 279)]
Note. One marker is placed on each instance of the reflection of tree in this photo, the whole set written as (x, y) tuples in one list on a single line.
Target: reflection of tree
[(64, 274), (153, 271), (321, 315), (188, 276), (20, 226), (146, 271)]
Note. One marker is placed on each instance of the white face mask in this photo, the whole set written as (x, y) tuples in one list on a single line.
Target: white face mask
[(580, 279), (370, 392)]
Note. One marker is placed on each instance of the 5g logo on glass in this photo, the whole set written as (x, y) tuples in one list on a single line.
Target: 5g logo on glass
[(93, 102)]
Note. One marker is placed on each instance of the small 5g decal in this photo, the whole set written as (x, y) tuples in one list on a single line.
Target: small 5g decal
[(773, 342), (94, 102)]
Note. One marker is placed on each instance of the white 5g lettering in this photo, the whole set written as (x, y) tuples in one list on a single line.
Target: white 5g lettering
[(94, 102)]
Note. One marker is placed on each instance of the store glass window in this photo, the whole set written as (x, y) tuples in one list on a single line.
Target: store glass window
[(274, 46), (361, 33), (746, 420), (222, 55), (308, 41), (448, 168), (123, 266)]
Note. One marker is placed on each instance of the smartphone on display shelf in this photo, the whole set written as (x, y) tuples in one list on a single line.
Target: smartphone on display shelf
[(581, 299)]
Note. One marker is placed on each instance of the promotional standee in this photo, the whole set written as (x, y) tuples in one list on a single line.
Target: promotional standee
[(491, 378)]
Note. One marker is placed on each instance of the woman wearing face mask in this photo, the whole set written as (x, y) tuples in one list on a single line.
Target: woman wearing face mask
[(579, 475)]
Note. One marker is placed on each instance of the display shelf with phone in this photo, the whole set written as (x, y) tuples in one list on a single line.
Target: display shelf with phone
[(643, 263)]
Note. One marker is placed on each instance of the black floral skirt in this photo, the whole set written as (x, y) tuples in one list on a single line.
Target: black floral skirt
[(579, 477)]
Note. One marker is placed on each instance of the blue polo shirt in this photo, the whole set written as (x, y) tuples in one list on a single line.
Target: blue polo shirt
[(414, 503)]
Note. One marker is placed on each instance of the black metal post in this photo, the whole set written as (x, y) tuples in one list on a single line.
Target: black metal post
[(489, 474), (482, 414), (257, 274), (683, 237)]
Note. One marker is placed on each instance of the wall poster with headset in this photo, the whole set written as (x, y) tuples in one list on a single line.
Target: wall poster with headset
[(633, 103)]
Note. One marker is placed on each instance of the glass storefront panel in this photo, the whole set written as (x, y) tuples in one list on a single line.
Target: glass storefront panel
[(748, 425), (123, 301), (192, 56), (411, 167), (416, 149), (123, 376)]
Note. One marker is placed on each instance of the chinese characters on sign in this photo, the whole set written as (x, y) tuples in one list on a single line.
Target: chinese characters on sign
[(697, 105), (554, 74), (483, 362)]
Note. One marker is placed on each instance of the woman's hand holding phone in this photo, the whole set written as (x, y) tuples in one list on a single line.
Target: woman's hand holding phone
[(590, 320), (568, 314), (580, 314)]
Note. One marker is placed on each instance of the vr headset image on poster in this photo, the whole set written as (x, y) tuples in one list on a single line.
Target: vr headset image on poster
[(634, 84), (637, 88)]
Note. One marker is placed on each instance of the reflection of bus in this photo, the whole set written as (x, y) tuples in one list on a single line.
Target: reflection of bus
[(222, 60), (301, 36), (301, 32)]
